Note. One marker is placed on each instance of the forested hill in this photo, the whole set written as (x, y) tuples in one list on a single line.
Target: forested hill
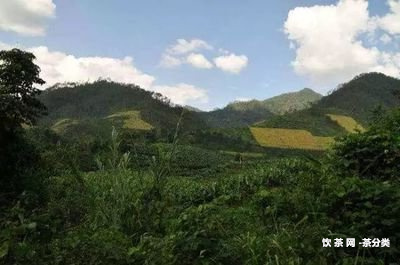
[(281, 104), (239, 114), (304, 109), (362, 94), (103, 98), (356, 99)]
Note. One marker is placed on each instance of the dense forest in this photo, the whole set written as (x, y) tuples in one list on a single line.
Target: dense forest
[(82, 184)]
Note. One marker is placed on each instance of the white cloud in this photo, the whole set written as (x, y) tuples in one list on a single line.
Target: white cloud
[(186, 52), (231, 63), (183, 93), (385, 38), (199, 61), (26, 17), (329, 47), (391, 21), (178, 54), (183, 46), (59, 67), (169, 61)]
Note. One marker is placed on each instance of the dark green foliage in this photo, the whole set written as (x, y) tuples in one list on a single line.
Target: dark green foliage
[(313, 120), (359, 96), (367, 209), (148, 202), (193, 161), (228, 139), (357, 99), (374, 154), (18, 157), (103, 98), (18, 103), (242, 114), (229, 117)]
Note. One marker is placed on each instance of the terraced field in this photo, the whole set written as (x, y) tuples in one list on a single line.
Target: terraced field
[(346, 122), (131, 120), (289, 139)]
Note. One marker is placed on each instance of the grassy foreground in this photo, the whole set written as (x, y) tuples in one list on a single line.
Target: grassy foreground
[(204, 209)]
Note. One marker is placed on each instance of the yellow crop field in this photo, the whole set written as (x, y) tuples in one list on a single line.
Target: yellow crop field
[(346, 122), (131, 120), (290, 138)]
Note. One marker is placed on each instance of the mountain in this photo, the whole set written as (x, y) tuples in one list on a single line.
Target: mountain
[(107, 101), (229, 117), (97, 105), (281, 104), (191, 108), (361, 95), (240, 114), (354, 99)]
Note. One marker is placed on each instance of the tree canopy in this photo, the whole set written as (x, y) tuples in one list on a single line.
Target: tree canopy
[(18, 77)]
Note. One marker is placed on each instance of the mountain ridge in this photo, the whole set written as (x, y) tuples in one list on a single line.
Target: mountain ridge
[(240, 114), (356, 98)]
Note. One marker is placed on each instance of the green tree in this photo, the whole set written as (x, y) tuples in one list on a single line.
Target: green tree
[(18, 105), (18, 102)]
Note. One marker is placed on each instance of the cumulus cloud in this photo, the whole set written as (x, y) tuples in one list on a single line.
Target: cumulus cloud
[(199, 61), (329, 46), (385, 38), (183, 52), (391, 21), (26, 17), (231, 63), (170, 61), (183, 93), (183, 46), (59, 67), (188, 52)]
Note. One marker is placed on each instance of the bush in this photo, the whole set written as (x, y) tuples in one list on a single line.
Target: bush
[(374, 154)]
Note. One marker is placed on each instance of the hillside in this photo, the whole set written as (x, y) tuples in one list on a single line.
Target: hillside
[(229, 117), (288, 102), (111, 102), (353, 100), (91, 109), (361, 95), (240, 114)]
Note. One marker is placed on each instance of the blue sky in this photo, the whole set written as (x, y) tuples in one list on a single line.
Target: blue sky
[(265, 47)]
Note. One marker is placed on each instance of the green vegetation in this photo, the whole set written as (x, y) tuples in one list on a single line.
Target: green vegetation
[(98, 100), (230, 117), (362, 94), (18, 106), (243, 114), (275, 212), (63, 125), (131, 120), (81, 189), (355, 99), (281, 104), (313, 120)]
